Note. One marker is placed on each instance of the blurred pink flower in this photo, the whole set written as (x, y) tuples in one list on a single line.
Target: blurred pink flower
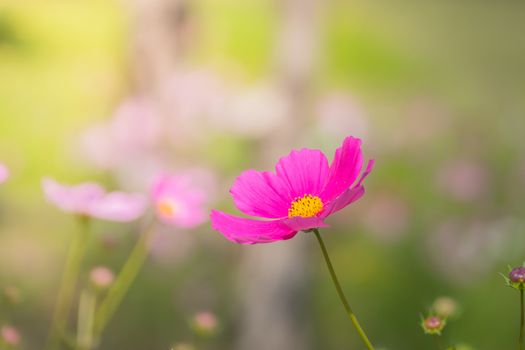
[(178, 201), (303, 192), (4, 173), (101, 276), (134, 129), (10, 335), (91, 200), (463, 179), (205, 323)]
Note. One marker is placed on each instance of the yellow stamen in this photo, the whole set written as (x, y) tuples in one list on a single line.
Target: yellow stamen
[(167, 207), (306, 206)]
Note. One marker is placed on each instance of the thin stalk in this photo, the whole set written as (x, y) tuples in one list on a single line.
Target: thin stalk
[(437, 340), (341, 294), (77, 250), (86, 315), (522, 321), (123, 282)]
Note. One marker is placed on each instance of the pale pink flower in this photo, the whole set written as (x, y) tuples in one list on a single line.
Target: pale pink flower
[(4, 173), (101, 276), (10, 335), (89, 199), (205, 323), (178, 201), (133, 130)]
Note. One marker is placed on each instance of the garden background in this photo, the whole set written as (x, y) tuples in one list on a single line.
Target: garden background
[(435, 90)]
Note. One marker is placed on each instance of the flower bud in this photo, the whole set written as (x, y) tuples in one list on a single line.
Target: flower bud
[(10, 335), (433, 325), (205, 323), (517, 275), (516, 278), (101, 277)]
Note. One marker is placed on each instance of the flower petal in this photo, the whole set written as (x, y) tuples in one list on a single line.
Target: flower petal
[(304, 172), (302, 224), (348, 197), (248, 231), (369, 166), (118, 206), (261, 194), (4, 173), (72, 199), (345, 168)]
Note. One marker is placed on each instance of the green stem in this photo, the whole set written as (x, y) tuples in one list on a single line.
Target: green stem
[(348, 309), (123, 282), (437, 340), (66, 292), (522, 321), (86, 315)]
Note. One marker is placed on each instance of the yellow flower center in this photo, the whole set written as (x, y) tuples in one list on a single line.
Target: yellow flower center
[(167, 207), (306, 206)]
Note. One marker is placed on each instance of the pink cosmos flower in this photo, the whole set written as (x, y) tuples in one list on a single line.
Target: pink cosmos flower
[(92, 200), (302, 193), (4, 173), (178, 201), (101, 276), (10, 335)]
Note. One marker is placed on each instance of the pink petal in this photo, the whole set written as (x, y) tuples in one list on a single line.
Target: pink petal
[(248, 231), (261, 194), (348, 197), (303, 224), (118, 206), (188, 200), (344, 169), (74, 199), (4, 173), (304, 172), (369, 166)]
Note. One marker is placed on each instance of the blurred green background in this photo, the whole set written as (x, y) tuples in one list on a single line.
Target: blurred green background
[(438, 92)]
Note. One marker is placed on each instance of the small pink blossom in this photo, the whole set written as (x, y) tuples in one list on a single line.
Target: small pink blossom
[(10, 335), (91, 200), (101, 276), (4, 173), (178, 201), (205, 323), (299, 196)]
